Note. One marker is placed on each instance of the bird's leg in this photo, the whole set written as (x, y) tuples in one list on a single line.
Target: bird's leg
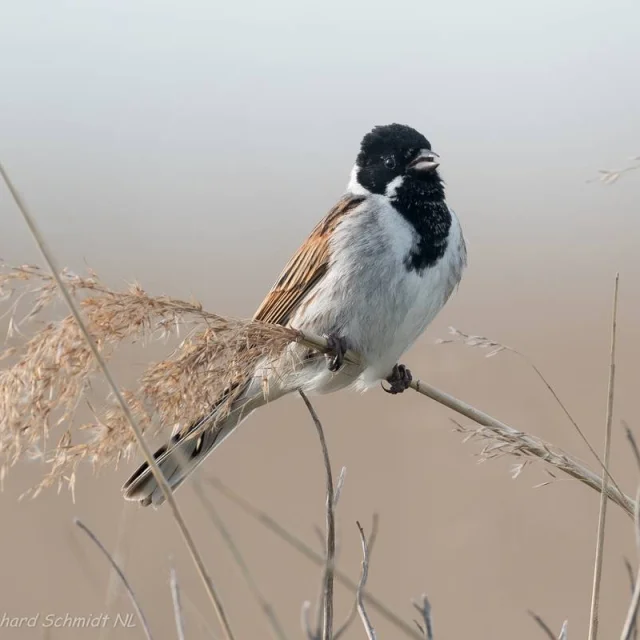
[(399, 379), (335, 354)]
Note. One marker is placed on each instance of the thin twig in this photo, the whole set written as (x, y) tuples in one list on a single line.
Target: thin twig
[(636, 519), (629, 630), (148, 455), (366, 622), (630, 622), (202, 622), (543, 625), (339, 485), (630, 574), (636, 512), (114, 583), (597, 572), (308, 552), (564, 632), (608, 176), (354, 609), (83, 563), (632, 442), (218, 522), (424, 608), (330, 549), (632, 581), (603, 466), (177, 604), (305, 621), (121, 575)]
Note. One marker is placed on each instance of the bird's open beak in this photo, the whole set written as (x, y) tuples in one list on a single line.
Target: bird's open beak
[(426, 161)]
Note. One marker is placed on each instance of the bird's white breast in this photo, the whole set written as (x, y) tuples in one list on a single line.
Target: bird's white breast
[(368, 295)]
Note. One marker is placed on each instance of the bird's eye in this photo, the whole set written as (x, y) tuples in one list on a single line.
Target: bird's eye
[(390, 162)]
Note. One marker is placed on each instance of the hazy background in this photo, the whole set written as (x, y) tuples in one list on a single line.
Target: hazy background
[(192, 145)]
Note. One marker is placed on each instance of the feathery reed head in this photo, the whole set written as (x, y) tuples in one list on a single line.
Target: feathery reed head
[(49, 373)]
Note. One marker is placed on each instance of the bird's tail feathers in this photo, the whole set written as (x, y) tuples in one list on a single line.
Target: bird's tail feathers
[(184, 452)]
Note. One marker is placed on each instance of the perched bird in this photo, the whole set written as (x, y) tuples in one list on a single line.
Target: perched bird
[(371, 276)]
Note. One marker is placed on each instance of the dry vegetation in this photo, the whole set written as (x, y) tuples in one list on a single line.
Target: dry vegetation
[(49, 373)]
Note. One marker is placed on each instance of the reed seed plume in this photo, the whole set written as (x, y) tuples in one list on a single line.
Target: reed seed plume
[(611, 176), (480, 342), (49, 373)]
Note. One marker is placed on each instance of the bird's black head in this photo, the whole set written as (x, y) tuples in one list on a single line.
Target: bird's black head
[(393, 154)]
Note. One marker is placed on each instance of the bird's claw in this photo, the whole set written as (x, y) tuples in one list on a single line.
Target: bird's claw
[(399, 379), (337, 347)]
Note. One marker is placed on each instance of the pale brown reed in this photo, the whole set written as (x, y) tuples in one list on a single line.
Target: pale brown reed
[(48, 375)]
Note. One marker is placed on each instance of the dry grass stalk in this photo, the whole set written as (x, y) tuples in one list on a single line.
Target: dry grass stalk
[(630, 623), (494, 347), (315, 633), (203, 625), (354, 609), (330, 540), (545, 627), (632, 582), (177, 604), (83, 563), (120, 555), (267, 521), (632, 442), (423, 607), (630, 628), (503, 439), (101, 362), (608, 176), (118, 570), (267, 608), (597, 573), (564, 631), (366, 622)]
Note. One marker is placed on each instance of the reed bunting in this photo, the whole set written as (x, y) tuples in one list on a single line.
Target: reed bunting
[(371, 276)]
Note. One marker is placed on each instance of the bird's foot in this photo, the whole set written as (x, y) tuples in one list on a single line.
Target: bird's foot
[(335, 355), (399, 379)]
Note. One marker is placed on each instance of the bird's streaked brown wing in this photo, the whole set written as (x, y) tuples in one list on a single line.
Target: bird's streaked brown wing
[(305, 269)]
